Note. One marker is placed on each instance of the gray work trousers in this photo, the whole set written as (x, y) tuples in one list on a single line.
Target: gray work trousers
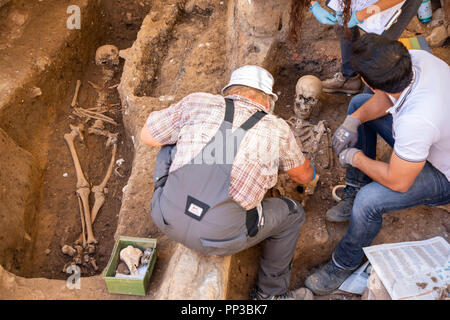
[(278, 234)]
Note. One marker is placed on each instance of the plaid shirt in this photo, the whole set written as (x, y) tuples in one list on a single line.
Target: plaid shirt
[(268, 147)]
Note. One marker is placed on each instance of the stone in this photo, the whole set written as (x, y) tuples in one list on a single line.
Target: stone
[(123, 269), (437, 37), (253, 35), (415, 26), (20, 178), (18, 18), (438, 18), (208, 282), (35, 92)]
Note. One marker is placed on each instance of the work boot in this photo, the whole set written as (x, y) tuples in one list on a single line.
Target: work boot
[(343, 210), (299, 294), (339, 83), (327, 279)]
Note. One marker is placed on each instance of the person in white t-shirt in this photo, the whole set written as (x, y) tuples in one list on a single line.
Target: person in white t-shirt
[(410, 110)]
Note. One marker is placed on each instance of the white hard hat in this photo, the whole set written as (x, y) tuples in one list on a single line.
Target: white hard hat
[(252, 76)]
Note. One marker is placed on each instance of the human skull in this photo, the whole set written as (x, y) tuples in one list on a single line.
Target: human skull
[(131, 256), (107, 55), (307, 92)]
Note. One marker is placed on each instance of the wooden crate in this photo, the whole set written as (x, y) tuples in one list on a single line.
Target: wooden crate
[(123, 285)]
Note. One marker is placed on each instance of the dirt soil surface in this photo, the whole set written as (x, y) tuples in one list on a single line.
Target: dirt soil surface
[(318, 53), (59, 220)]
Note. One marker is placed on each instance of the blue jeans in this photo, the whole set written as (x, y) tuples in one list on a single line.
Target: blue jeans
[(431, 188), (367, 139)]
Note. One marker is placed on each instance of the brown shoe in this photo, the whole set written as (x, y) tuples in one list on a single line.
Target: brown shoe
[(341, 84)]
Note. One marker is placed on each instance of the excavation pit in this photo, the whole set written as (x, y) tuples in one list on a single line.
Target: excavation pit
[(173, 48)]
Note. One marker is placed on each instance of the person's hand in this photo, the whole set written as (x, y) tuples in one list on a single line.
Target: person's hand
[(346, 135), (353, 21), (346, 157), (322, 15)]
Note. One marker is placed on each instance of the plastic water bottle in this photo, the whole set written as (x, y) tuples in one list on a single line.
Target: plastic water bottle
[(425, 12)]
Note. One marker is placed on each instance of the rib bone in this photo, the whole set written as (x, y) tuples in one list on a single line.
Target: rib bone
[(85, 113)]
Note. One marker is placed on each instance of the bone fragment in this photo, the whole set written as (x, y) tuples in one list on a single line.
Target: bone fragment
[(112, 137), (122, 269), (68, 250), (75, 97), (91, 249), (131, 257), (83, 193), (94, 264)]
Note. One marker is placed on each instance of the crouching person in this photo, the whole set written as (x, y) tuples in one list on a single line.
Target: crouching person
[(219, 156), (410, 111)]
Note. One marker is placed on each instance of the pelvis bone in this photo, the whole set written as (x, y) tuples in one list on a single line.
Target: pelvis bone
[(131, 256)]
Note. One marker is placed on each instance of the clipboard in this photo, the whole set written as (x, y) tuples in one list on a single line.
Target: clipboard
[(377, 23)]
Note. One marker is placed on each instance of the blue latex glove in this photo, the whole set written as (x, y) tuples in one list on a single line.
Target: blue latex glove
[(322, 15), (353, 21)]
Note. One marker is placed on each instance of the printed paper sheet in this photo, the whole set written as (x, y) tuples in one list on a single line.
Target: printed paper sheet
[(377, 22), (414, 270)]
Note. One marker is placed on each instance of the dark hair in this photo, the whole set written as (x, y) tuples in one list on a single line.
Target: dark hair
[(383, 63)]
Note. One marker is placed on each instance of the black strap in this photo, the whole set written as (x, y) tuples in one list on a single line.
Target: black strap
[(250, 123), (251, 221), (247, 125), (161, 182), (229, 111)]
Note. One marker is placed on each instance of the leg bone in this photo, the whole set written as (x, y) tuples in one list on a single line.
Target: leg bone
[(82, 184), (100, 189)]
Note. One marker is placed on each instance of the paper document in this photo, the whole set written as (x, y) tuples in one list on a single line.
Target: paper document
[(375, 23), (414, 270), (357, 282)]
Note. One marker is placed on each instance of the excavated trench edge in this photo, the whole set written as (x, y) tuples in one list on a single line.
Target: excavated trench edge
[(65, 65)]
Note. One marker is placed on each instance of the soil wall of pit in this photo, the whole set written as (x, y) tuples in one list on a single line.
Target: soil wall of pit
[(40, 61), (37, 72), (178, 51)]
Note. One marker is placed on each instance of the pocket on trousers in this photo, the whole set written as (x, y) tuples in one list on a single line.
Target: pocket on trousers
[(157, 214), (225, 247)]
